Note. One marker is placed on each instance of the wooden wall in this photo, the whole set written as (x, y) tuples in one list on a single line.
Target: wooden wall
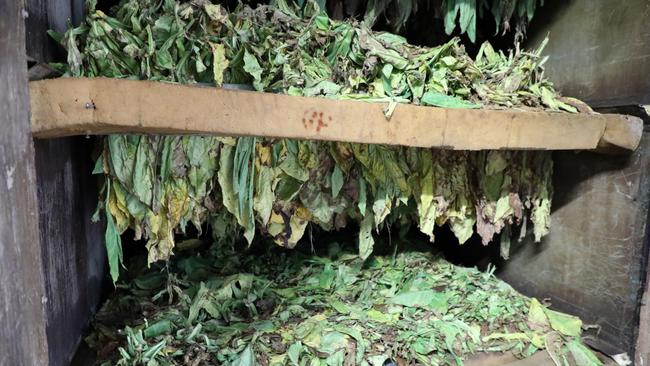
[(599, 50), (592, 264), (74, 255), (74, 259), (595, 261), (22, 327)]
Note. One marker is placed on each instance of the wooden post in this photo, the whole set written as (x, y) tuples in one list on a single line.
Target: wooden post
[(22, 324), (72, 248)]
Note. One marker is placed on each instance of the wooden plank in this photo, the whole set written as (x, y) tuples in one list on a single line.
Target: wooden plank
[(74, 256), (598, 49), (62, 107), (621, 137), (22, 334), (540, 358), (593, 262), (642, 356)]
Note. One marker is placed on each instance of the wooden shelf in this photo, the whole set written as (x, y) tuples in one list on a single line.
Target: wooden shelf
[(80, 106)]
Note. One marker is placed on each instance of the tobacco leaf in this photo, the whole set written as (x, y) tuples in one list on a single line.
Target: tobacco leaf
[(224, 306), (157, 185)]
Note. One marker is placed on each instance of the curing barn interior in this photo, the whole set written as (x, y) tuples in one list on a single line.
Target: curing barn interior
[(324, 182)]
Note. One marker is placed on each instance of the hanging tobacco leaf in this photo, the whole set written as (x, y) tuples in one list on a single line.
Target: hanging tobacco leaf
[(158, 185)]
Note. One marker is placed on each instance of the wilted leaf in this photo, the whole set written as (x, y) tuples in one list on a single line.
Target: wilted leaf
[(219, 62)]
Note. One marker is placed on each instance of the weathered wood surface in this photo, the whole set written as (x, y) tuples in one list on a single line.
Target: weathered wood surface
[(593, 261), (63, 107), (642, 356), (44, 15), (74, 256), (599, 50), (22, 322)]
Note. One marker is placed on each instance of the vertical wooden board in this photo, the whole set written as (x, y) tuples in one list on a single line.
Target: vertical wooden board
[(592, 262), (642, 356), (22, 334), (599, 50), (44, 15), (74, 256), (38, 47)]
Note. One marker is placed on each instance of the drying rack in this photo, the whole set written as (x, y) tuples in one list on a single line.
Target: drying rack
[(91, 106)]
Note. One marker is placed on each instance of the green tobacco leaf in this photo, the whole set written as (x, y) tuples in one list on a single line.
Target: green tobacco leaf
[(582, 355), (467, 21), (143, 172), (294, 352), (333, 342), (153, 351), (293, 168), (161, 327), (566, 324), (427, 299), (362, 196), (324, 87), (99, 166), (287, 188), (226, 167), (246, 358), (452, 8), (263, 199), (243, 184), (337, 181), (253, 68), (113, 244), (446, 101), (536, 314)]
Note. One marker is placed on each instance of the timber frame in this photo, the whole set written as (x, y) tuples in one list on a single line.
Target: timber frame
[(52, 259)]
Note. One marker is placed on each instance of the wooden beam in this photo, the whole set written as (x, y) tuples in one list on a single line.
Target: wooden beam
[(63, 107), (22, 330)]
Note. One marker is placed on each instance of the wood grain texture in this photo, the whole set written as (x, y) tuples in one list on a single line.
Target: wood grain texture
[(22, 330), (599, 50), (63, 107), (73, 252), (74, 255), (592, 263), (642, 356)]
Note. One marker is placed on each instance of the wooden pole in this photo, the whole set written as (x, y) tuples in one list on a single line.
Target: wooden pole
[(22, 325)]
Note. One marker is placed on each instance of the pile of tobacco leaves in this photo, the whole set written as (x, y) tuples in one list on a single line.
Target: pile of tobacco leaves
[(298, 51), (228, 306), (288, 308), (158, 185)]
